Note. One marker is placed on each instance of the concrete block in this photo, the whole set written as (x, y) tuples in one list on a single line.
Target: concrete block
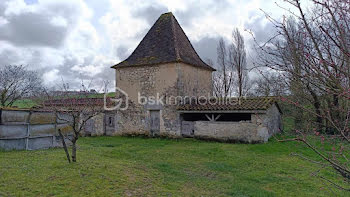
[(42, 118), (40, 143), (14, 117), (11, 131), (17, 144), (42, 130), (65, 128)]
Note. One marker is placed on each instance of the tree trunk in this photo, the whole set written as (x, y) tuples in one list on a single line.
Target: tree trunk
[(64, 145), (298, 112), (317, 106), (74, 151), (336, 115), (319, 119)]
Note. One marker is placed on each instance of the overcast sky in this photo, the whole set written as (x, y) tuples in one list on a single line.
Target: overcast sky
[(76, 39)]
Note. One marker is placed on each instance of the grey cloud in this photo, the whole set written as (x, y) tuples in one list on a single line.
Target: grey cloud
[(262, 32), (3, 6), (70, 76), (150, 13), (33, 29), (36, 28), (122, 52), (107, 74), (8, 57), (197, 10), (32, 34), (71, 12), (206, 48)]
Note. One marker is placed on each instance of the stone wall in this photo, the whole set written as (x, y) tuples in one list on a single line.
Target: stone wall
[(110, 120), (261, 127), (166, 81), (247, 132), (99, 125), (273, 120), (194, 81), (30, 130)]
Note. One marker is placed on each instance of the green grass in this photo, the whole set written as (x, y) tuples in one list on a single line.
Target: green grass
[(24, 103), (29, 103), (122, 166)]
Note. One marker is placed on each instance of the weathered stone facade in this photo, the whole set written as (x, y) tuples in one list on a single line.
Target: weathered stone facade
[(165, 67), (101, 124), (259, 129), (167, 81)]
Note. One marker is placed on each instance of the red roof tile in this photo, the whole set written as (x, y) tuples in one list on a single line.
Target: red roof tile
[(232, 104)]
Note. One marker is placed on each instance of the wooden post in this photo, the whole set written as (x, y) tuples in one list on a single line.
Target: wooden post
[(206, 115), (27, 137), (28, 131), (64, 145), (212, 118), (217, 117)]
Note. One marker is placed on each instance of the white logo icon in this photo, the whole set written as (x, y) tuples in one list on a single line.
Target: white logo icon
[(118, 101)]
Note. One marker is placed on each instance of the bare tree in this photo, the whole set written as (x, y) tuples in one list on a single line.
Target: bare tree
[(223, 78), (314, 56), (238, 62), (75, 111), (17, 82), (269, 83)]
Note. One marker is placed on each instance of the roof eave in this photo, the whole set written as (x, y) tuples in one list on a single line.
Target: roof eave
[(119, 65), (262, 111)]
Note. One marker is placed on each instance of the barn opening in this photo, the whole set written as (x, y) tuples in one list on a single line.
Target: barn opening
[(224, 117)]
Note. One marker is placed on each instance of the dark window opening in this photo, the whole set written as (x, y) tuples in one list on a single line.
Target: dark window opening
[(110, 121), (224, 117)]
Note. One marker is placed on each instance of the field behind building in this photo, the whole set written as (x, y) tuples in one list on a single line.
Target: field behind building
[(125, 166)]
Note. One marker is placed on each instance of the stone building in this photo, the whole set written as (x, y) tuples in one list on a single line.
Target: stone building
[(164, 64), (239, 120), (166, 67)]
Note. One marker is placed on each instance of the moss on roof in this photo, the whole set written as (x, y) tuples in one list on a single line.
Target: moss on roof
[(252, 103)]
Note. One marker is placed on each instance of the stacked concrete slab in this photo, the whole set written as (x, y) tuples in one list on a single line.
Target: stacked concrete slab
[(30, 129)]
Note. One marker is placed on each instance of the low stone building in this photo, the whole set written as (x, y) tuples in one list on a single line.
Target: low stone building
[(159, 78), (240, 120)]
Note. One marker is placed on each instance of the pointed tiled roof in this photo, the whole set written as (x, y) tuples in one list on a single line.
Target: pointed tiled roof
[(165, 42)]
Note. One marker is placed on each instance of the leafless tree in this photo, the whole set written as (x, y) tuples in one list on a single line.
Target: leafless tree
[(17, 82), (238, 62), (232, 74), (74, 110), (314, 56), (223, 78), (269, 83)]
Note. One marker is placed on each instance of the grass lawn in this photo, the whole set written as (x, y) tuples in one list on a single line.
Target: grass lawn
[(122, 166), (24, 103)]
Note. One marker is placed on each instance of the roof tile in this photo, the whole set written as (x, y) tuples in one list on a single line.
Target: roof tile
[(231, 104), (165, 42)]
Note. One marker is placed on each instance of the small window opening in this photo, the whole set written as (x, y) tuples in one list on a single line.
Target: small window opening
[(110, 121)]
